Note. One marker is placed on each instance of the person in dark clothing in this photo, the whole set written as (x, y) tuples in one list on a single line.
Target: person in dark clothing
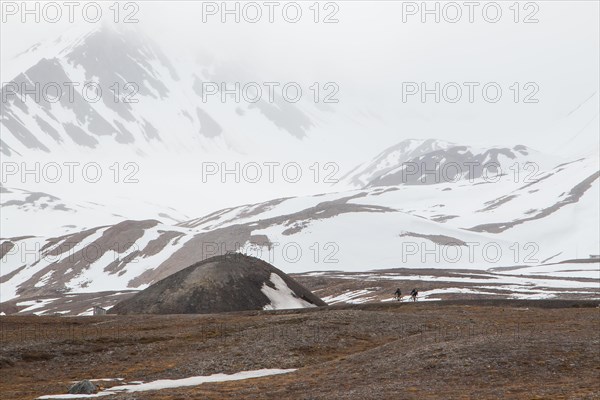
[(398, 294), (413, 294)]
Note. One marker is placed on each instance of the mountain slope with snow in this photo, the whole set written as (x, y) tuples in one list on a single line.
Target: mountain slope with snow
[(416, 162), (113, 90), (52, 215), (418, 204), (530, 221)]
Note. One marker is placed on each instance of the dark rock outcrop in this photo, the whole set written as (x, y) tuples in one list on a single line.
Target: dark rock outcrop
[(232, 282), (83, 387)]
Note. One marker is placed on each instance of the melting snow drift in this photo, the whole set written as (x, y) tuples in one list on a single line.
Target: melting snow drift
[(174, 383)]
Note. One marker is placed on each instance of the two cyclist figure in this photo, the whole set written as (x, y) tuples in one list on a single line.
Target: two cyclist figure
[(413, 294)]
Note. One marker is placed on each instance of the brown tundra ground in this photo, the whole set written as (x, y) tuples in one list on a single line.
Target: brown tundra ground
[(473, 349)]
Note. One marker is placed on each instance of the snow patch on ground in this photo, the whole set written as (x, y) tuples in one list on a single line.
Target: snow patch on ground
[(351, 297), (282, 297), (74, 396), (174, 383)]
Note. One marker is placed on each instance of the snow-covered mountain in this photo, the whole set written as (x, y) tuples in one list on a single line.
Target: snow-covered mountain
[(418, 204), (530, 220), (431, 161), (149, 104)]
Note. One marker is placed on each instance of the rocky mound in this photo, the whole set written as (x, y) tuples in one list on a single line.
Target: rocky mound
[(233, 282)]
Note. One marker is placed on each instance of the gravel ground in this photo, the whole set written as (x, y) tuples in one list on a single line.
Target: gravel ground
[(443, 350)]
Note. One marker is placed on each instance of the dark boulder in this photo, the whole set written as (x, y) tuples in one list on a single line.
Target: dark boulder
[(83, 387)]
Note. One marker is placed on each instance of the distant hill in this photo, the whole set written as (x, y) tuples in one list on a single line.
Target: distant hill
[(232, 282)]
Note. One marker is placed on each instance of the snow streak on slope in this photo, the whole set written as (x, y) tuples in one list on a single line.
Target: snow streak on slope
[(282, 297)]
